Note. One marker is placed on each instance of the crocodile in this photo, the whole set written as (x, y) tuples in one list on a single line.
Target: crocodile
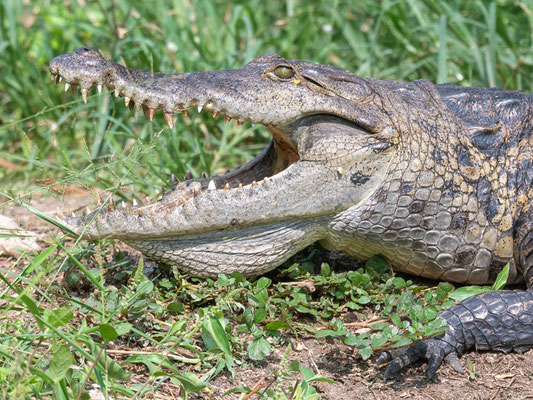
[(436, 178)]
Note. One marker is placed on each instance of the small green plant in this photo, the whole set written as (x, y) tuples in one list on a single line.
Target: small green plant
[(291, 381)]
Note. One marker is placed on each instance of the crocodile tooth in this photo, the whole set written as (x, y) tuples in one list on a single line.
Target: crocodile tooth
[(84, 94), (174, 179), (215, 113), (99, 87), (67, 85), (60, 79), (73, 214), (239, 123), (211, 185), (88, 210), (138, 106), (134, 202), (254, 183), (145, 111), (227, 119), (123, 204), (226, 186), (53, 76), (151, 113), (126, 100), (188, 175), (111, 205), (169, 118), (117, 92), (60, 214), (240, 186), (204, 175), (195, 192), (200, 108), (185, 111)]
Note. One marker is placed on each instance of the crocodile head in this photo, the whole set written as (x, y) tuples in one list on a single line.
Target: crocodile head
[(333, 140)]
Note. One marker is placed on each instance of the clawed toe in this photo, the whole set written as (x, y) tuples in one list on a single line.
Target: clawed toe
[(434, 350)]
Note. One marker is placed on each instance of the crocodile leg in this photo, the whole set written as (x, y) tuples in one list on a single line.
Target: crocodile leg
[(496, 321)]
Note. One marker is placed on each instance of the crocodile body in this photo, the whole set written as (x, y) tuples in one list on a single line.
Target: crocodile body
[(437, 178)]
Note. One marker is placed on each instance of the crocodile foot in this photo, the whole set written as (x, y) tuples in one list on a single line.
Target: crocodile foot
[(497, 321), (434, 350)]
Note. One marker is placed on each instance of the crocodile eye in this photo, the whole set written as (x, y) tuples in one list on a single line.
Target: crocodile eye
[(284, 72)]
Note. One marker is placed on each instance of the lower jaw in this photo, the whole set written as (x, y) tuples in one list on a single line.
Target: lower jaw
[(250, 251)]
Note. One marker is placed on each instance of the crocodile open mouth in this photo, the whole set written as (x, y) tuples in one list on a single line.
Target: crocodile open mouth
[(277, 157), (320, 162)]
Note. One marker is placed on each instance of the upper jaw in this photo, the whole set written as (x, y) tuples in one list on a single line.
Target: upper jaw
[(246, 94), (224, 92)]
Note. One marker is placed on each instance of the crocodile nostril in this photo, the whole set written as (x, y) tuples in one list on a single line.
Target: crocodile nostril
[(84, 51)]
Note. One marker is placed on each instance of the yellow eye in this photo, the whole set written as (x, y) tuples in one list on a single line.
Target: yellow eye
[(284, 72)]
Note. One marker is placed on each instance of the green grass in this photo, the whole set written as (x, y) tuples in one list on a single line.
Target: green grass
[(48, 137)]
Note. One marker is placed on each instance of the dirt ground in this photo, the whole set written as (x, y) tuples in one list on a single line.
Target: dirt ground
[(495, 375)]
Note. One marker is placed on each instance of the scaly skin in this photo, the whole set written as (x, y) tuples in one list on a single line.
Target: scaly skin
[(436, 178)]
